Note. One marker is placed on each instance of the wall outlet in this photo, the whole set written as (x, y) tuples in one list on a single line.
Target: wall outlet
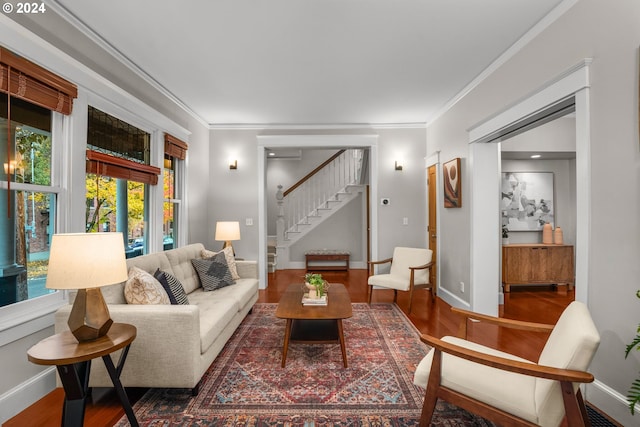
[(405, 221), (462, 287)]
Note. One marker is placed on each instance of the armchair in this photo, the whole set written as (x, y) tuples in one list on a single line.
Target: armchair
[(409, 270), (507, 389)]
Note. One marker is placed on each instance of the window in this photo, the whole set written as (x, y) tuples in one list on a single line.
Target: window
[(118, 173), (175, 152), (27, 200)]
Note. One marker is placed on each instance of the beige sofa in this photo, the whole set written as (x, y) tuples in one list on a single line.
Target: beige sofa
[(175, 344)]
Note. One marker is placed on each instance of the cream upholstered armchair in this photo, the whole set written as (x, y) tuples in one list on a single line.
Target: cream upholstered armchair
[(505, 388), (409, 270)]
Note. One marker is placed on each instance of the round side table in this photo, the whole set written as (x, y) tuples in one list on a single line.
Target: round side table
[(73, 362)]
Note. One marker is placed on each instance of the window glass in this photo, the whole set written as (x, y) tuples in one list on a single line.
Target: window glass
[(171, 204), (117, 205), (27, 207), (113, 202)]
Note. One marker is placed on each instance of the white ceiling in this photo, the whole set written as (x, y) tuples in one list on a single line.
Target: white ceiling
[(304, 62)]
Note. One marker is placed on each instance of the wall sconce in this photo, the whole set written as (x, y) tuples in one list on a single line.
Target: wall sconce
[(233, 164), (398, 165), (10, 168)]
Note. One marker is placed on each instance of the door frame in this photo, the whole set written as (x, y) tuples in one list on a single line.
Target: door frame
[(434, 160), (484, 159), (369, 141)]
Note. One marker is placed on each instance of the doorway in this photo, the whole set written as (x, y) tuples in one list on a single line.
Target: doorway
[(432, 229), (310, 141), (484, 154)]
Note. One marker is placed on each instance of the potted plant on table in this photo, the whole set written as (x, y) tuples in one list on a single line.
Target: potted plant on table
[(316, 284)]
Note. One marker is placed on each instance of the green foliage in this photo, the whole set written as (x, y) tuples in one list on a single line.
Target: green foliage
[(633, 395), (316, 280)]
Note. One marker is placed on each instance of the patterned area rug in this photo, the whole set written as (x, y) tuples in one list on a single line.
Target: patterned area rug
[(245, 386)]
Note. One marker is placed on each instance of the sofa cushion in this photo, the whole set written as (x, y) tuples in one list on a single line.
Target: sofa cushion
[(213, 272), (241, 293), (142, 288), (228, 254), (181, 267), (215, 314), (172, 286)]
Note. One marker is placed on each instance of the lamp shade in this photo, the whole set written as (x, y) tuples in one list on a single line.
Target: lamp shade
[(227, 230), (86, 260)]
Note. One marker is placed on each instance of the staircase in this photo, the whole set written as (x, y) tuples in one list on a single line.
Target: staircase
[(317, 197)]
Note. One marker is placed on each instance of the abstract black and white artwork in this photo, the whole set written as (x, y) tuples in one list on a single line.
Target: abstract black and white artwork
[(527, 200)]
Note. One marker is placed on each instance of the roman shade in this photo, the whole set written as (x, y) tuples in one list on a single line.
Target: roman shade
[(117, 167), (23, 79), (174, 147)]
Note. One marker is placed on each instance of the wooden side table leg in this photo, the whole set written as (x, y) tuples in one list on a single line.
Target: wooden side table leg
[(75, 380), (342, 344), (285, 345), (114, 373)]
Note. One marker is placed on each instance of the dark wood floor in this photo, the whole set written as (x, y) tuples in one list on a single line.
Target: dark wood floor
[(535, 304)]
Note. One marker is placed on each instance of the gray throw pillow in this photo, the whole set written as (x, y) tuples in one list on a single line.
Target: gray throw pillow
[(214, 272), (172, 285)]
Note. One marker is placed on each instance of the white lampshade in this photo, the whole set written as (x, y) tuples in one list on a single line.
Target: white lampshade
[(86, 260), (227, 231)]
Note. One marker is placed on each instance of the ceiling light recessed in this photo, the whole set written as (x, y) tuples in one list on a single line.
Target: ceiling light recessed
[(271, 153), (536, 156)]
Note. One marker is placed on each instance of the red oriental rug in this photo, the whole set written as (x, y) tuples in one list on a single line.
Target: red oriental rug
[(245, 385)]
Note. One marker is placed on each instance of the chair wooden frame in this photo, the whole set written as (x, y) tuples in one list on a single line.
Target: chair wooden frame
[(575, 410), (412, 285)]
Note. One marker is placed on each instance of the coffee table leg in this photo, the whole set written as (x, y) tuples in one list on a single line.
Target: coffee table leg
[(342, 345), (287, 336)]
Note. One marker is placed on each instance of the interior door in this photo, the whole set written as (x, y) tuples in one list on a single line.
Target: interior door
[(431, 228)]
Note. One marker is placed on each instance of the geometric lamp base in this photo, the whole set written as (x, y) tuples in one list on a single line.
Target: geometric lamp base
[(89, 318)]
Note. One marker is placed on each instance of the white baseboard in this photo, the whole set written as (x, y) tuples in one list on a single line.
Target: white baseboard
[(301, 265), (452, 299), (612, 403), (24, 395)]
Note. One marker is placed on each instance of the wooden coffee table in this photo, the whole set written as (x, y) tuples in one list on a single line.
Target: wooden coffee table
[(314, 324)]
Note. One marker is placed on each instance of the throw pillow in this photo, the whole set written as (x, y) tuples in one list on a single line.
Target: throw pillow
[(142, 288), (231, 260), (172, 285), (213, 272)]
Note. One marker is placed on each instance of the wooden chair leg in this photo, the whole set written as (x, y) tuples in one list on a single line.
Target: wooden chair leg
[(410, 298), (395, 296), (431, 393), (369, 293), (433, 294), (583, 409), (572, 409)]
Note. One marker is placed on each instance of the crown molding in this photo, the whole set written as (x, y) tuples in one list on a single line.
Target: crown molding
[(110, 49), (304, 127)]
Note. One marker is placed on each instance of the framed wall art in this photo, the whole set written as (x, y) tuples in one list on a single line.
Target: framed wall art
[(452, 184), (527, 200)]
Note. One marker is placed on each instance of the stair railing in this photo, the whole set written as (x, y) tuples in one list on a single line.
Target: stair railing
[(317, 190)]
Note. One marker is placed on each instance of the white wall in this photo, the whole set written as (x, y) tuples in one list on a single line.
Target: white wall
[(233, 195), (609, 33)]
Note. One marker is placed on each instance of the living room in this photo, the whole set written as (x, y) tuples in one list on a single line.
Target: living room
[(595, 41)]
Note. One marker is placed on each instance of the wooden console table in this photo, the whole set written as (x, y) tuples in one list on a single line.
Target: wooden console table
[(327, 256), (73, 361), (538, 264)]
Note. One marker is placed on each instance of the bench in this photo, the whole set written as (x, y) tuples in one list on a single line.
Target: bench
[(327, 258)]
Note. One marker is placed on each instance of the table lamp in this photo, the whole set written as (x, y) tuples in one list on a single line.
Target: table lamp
[(227, 231), (87, 261)]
